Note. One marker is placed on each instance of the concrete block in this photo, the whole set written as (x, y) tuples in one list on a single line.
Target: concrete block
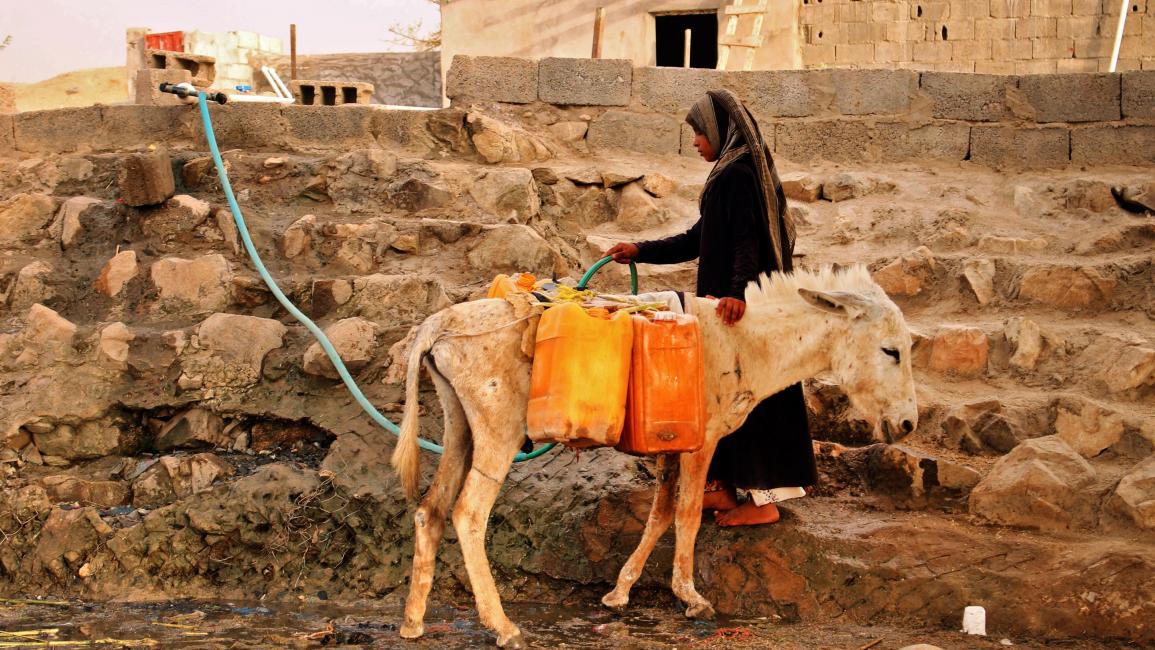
[(250, 40), (994, 29), (146, 178), (1055, 8), (1073, 97), (888, 52), (674, 90), (873, 92), (1037, 27), (585, 82), (319, 127), (1067, 66), (271, 45), (784, 93), (885, 12), (862, 53), (491, 78), (1139, 47), (129, 127), (1004, 147), (840, 140), (1108, 25), (1086, 7), (934, 11), (246, 126), (1077, 27), (1139, 95), (1052, 48), (969, 9), (852, 12), (1123, 65), (1010, 9), (202, 68), (954, 66), (817, 55), (1035, 67), (1092, 48), (236, 71), (973, 97), (57, 131), (970, 50), (148, 81), (1013, 50), (642, 132), (958, 30), (409, 128), (330, 93), (1113, 145), (898, 141), (932, 52), (995, 67)]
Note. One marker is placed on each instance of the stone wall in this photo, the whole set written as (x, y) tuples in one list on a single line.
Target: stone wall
[(986, 36), (1035, 121), (398, 78)]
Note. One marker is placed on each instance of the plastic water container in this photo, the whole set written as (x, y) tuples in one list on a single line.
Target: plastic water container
[(581, 369), (974, 620), (666, 406)]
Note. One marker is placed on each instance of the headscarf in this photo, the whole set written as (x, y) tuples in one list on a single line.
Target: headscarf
[(729, 127)]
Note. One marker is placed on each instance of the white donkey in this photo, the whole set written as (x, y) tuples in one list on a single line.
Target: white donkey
[(795, 327)]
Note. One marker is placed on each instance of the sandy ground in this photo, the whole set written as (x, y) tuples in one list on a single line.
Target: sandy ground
[(73, 89)]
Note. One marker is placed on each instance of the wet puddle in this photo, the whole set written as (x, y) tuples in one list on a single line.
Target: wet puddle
[(212, 625)]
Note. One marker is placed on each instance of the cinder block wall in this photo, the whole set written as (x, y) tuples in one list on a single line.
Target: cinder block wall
[(986, 36), (235, 52), (1028, 121), (398, 78)]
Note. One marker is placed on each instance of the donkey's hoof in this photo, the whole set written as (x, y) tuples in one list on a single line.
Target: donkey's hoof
[(702, 612), (412, 630), (513, 642), (615, 602)]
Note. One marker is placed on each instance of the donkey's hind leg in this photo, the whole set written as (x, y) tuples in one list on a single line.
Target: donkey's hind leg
[(429, 521), (661, 514)]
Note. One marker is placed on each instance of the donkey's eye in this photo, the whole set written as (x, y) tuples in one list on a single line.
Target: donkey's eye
[(892, 353)]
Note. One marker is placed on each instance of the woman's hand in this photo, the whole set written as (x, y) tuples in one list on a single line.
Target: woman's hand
[(623, 252), (730, 310)]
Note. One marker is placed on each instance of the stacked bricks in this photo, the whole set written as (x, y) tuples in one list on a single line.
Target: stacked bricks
[(331, 93), (201, 68), (236, 54), (986, 36)]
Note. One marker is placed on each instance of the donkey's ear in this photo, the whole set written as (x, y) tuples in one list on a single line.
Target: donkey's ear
[(851, 305)]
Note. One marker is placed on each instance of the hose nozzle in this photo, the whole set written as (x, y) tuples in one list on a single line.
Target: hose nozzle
[(186, 90)]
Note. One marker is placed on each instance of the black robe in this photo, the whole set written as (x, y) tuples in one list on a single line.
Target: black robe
[(772, 448)]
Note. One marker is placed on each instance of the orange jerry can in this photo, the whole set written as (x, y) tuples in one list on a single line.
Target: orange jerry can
[(666, 407), (581, 368)]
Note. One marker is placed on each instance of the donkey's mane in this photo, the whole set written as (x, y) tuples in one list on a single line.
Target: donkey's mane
[(783, 287)]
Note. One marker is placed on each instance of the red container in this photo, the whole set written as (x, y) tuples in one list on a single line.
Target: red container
[(666, 405), (167, 41)]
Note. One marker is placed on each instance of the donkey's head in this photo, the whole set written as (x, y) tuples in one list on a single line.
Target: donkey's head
[(871, 361)]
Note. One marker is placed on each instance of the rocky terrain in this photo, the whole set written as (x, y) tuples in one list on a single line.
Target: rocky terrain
[(169, 431)]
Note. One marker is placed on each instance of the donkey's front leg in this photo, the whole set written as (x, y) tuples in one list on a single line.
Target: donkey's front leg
[(661, 515), (688, 518)]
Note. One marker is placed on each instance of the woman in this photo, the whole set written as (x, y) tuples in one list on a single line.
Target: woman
[(743, 231)]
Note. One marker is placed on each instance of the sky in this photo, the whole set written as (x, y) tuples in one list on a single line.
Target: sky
[(54, 36)]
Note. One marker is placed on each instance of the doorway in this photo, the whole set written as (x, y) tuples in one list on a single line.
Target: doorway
[(670, 39)]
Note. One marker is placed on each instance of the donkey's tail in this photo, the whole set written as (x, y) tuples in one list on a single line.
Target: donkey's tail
[(406, 456)]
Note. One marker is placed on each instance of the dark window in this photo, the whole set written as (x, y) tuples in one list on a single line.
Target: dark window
[(670, 39)]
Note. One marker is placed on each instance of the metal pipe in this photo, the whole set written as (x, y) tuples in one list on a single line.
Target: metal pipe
[(259, 99), (1119, 33), (599, 26), (293, 51)]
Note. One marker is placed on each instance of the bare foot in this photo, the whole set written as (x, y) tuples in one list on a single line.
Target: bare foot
[(748, 514), (724, 499)]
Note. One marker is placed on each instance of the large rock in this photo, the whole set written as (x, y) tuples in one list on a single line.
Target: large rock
[(1066, 287), (47, 335), (844, 186), (659, 185), (72, 489), (1088, 195), (298, 237), (960, 351), (1135, 495), (1087, 427), (116, 273), (355, 340), (80, 440), (67, 227), (498, 143), (799, 186), (66, 540), (1133, 367), (980, 275), (193, 428), (391, 300), (908, 274), (112, 348), (180, 214), (146, 178), (506, 193), (33, 284), (173, 478), (1042, 483), (201, 284), (514, 248), (24, 217), (231, 351), (636, 210), (1027, 338)]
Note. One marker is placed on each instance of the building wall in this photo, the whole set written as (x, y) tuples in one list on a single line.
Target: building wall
[(235, 52), (988, 36), (398, 78), (564, 28)]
